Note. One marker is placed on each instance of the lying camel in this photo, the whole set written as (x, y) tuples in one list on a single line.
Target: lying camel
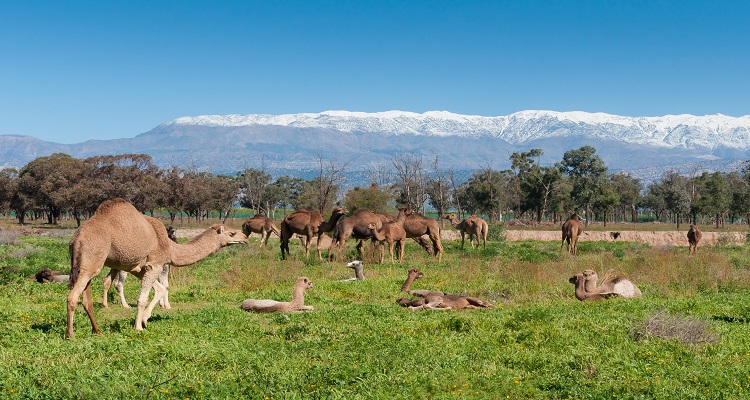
[(297, 303), (434, 300), (46, 275), (581, 294), (620, 285), (121, 237), (262, 225), (118, 277), (694, 236), (571, 229), (359, 274)]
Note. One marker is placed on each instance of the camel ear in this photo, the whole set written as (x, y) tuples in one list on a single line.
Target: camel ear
[(220, 230)]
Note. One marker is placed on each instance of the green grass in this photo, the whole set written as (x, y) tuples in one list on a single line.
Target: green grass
[(539, 342)]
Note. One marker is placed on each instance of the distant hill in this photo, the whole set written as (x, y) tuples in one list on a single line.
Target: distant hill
[(292, 144)]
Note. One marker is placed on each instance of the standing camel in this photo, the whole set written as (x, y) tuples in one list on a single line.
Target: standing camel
[(472, 226), (307, 223), (120, 237), (392, 232), (260, 224), (417, 225), (571, 230), (694, 236)]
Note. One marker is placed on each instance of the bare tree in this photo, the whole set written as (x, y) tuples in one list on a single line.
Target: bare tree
[(411, 180)]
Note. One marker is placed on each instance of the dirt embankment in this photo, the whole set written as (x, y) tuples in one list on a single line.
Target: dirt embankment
[(652, 238)]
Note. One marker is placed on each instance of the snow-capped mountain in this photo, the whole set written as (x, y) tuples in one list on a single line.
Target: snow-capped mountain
[(686, 131), (291, 143)]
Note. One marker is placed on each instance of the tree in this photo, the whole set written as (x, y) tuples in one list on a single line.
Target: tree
[(49, 181), (373, 198), (676, 194), (718, 197), (252, 183), (410, 179), (486, 193), (629, 191), (437, 190), (585, 170)]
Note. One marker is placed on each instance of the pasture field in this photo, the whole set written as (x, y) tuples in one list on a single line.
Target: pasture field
[(687, 338)]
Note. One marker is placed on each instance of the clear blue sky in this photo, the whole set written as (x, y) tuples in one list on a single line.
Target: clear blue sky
[(77, 70)]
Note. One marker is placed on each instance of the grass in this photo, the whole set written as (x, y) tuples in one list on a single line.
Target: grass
[(539, 342)]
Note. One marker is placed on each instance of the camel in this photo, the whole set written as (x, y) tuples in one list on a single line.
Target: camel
[(435, 300), (121, 237), (571, 230), (359, 274), (473, 226), (620, 285), (46, 275), (118, 277), (391, 232), (580, 291), (417, 225), (694, 236), (297, 303), (307, 223), (356, 226), (324, 241), (262, 225)]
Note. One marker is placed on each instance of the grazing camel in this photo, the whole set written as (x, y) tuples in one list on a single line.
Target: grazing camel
[(46, 275), (435, 300), (473, 226), (121, 237), (392, 232), (694, 236), (620, 285), (359, 274), (571, 229), (580, 291), (356, 226), (307, 223), (262, 225), (417, 225), (297, 303), (118, 277)]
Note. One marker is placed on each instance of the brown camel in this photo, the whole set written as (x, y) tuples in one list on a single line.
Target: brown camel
[(581, 294), (620, 285), (571, 230), (307, 223), (392, 232), (417, 225), (297, 303), (694, 236), (473, 226), (262, 225), (434, 300), (120, 237), (118, 277), (356, 226), (46, 275)]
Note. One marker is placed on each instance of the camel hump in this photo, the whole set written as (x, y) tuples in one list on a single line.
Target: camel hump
[(106, 205)]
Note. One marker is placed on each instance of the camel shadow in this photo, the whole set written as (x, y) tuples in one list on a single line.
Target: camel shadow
[(731, 318)]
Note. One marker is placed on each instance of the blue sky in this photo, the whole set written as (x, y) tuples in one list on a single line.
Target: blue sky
[(71, 71)]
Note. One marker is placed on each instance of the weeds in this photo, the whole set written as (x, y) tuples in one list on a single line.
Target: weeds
[(688, 331)]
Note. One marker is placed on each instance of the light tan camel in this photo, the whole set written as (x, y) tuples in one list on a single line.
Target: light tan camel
[(417, 225), (694, 236), (120, 237), (118, 277), (620, 285), (297, 303), (473, 226), (392, 232), (355, 226), (262, 225), (359, 274), (324, 241), (580, 291), (435, 300), (571, 230), (307, 223)]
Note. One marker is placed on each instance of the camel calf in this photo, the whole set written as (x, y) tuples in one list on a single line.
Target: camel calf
[(297, 303), (694, 236), (262, 225), (580, 291)]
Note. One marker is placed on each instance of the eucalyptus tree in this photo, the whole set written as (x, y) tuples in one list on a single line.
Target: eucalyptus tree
[(49, 183), (251, 183), (629, 192), (676, 192), (718, 196), (374, 198), (585, 170), (486, 192)]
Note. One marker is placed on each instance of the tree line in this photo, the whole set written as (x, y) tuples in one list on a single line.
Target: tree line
[(58, 185)]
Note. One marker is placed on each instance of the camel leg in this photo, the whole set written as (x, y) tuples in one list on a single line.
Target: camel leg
[(438, 247), (81, 285), (462, 240), (107, 283), (88, 306), (164, 280), (159, 292), (148, 277), (390, 251), (120, 286), (401, 246)]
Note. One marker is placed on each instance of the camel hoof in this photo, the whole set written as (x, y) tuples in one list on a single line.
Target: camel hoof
[(126, 306)]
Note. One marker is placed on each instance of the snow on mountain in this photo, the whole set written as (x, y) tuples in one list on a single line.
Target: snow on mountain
[(669, 131)]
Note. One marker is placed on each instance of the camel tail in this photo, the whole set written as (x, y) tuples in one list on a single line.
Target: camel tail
[(75, 265), (275, 229)]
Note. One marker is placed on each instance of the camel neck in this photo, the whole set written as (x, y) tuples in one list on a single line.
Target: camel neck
[(298, 298), (195, 250), (407, 284)]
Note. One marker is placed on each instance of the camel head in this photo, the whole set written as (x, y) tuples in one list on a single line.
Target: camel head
[(228, 235), (304, 282), (574, 217), (354, 264), (45, 275), (575, 279), (416, 273), (450, 217), (339, 211)]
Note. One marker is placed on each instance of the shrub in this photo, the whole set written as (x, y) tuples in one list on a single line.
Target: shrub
[(687, 330)]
